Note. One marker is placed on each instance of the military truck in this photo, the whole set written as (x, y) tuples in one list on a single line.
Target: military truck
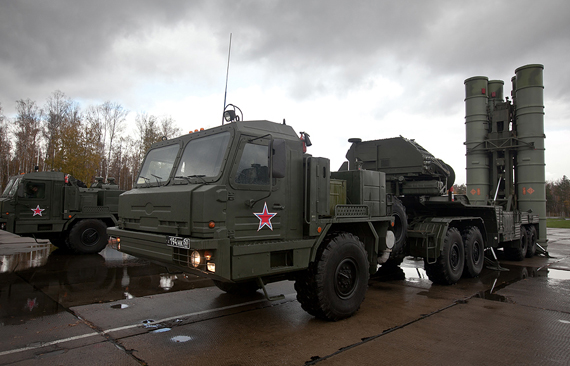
[(244, 205), (505, 205), (58, 207)]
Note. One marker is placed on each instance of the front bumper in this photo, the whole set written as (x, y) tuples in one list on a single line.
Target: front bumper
[(154, 248)]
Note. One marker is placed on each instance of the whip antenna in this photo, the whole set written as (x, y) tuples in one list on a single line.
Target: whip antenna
[(227, 74)]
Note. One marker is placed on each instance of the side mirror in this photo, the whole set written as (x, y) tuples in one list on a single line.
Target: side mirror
[(278, 158)]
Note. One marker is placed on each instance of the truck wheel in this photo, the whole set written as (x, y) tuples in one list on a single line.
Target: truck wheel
[(448, 268), (399, 229), (334, 286), (88, 236), (240, 288), (474, 252), (531, 246), (517, 251)]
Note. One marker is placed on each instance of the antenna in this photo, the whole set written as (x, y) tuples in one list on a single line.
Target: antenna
[(227, 74)]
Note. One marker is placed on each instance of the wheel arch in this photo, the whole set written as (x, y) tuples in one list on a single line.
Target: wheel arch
[(371, 234), (435, 229)]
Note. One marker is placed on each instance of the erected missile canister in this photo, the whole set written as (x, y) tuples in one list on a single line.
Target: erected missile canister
[(531, 180), (476, 128), (496, 91)]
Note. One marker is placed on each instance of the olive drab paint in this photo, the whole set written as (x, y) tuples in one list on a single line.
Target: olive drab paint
[(476, 127), (254, 207), (530, 169), (262, 215), (55, 206), (504, 143)]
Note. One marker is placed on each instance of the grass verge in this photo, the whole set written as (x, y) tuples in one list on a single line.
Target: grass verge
[(558, 223)]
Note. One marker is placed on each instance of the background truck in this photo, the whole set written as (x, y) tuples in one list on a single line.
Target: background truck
[(56, 206), (505, 205), (244, 205)]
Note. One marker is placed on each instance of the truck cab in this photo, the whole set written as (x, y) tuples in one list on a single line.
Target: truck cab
[(244, 205)]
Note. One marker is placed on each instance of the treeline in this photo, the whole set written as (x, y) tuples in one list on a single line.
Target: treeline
[(86, 143), (557, 197)]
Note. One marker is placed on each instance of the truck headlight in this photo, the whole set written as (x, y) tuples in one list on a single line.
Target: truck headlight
[(211, 266), (195, 258)]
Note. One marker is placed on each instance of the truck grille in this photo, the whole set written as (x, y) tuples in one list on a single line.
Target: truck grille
[(181, 257)]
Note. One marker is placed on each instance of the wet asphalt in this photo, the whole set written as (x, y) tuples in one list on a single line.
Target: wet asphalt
[(111, 308)]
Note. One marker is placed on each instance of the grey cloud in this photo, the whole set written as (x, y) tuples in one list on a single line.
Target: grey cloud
[(309, 48)]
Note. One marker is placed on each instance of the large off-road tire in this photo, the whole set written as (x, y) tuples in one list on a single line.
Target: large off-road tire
[(474, 252), (239, 288), (88, 236), (400, 230), (531, 243), (517, 252), (448, 268), (334, 286)]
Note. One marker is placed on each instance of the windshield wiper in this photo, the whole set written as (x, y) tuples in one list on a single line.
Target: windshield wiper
[(146, 180), (201, 176), (182, 177), (158, 179)]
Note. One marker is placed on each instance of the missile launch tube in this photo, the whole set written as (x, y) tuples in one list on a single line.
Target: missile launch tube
[(476, 128), (529, 114)]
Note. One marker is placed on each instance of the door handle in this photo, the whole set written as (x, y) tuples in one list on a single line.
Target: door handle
[(277, 206)]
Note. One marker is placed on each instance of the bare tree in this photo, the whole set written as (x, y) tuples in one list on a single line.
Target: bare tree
[(28, 134), (168, 127), (148, 130), (5, 155), (114, 116), (57, 111)]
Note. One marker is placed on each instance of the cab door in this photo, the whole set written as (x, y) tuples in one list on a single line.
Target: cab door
[(257, 210), (34, 200)]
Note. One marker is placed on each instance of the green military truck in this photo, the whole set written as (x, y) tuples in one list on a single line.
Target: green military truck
[(243, 204), (58, 207), (505, 204)]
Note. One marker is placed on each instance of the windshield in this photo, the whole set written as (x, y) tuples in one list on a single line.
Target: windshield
[(11, 187), (158, 165), (203, 157)]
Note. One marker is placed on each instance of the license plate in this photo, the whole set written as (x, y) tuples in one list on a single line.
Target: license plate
[(178, 242)]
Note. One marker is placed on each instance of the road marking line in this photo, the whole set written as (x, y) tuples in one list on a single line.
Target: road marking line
[(46, 344)]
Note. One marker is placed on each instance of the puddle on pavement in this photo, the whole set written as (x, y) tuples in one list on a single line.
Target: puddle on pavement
[(180, 339), (558, 274), (40, 281), (412, 271), (36, 280), (161, 330)]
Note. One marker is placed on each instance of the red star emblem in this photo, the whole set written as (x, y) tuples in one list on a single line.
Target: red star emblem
[(265, 218), (37, 210)]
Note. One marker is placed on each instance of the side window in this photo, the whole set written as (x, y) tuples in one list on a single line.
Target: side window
[(254, 165), (35, 190)]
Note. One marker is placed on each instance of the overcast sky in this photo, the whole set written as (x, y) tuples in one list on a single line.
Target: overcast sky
[(335, 69)]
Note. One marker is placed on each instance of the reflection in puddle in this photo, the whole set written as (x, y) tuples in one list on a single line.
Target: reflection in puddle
[(558, 274), (161, 330), (415, 273), (37, 282)]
